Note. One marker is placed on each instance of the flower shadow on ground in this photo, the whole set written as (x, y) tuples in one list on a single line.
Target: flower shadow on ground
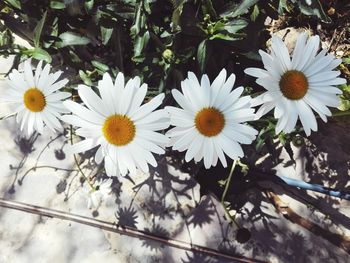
[(161, 184)]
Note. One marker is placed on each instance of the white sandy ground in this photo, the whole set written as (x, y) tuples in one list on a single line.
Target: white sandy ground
[(30, 238)]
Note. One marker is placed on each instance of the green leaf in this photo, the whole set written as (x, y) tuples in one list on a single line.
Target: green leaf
[(38, 29), (235, 25), (100, 66), (106, 34), (282, 6), (14, 3), (85, 77), (38, 54), (223, 37), (136, 27), (313, 8), (255, 13), (57, 5), (346, 61), (345, 88), (72, 39), (344, 105), (89, 4), (175, 18), (240, 9), (140, 44), (202, 55), (208, 8)]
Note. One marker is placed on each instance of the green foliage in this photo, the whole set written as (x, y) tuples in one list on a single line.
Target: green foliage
[(131, 35), (345, 98)]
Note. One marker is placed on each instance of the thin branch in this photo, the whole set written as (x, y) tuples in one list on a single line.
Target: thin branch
[(120, 229)]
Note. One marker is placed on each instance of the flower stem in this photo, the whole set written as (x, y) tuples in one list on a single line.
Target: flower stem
[(7, 116), (227, 185), (341, 113), (77, 163)]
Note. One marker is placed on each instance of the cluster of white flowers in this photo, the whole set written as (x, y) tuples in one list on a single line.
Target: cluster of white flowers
[(210, 122)]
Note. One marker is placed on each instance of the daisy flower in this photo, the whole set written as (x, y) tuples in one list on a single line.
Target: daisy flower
[(210, 121), (296, 86), (36, 97), (99, 193), (117, 123)]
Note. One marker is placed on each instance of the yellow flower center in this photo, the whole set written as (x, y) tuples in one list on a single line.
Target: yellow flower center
[(209, 121), (34, 100), (294, 85), (119, 130)]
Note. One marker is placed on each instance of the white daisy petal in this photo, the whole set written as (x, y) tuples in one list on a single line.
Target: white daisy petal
[(181, 100), (44, 76), (39, 123), (225, 90), (31, 121), (208, 153), (155, 116), (140, 160), (117, 123), (53, 77), (99, 155), (89, 132), (298, 52), (326, 89), (110, 167), (294, 89), (282, 52), (192, 93), (320, 62), (307, 118), (83, 146), (281, 123), (31, 93), (317, 105), (327, 99), (231, 98), (58, 96), (194, 147), (128, 93), (84, 113), (217, 85), (230, 147), (256, 72), (184, 141), (92, 100), (38, 72), (138, 98), (310, 51), (149, 146), (323, 76), (207, 131), (147, 108), (24, 119), (292, 116), (56, 86), (51, 121), (16, 79), (28, 73), (231, 132), (77, 121), (153, 136), (108, 95), (206, 84)]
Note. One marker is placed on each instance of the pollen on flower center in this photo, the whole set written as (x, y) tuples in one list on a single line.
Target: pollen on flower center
[(209, 121), (34, 100), (294, 84), (119, 130)]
